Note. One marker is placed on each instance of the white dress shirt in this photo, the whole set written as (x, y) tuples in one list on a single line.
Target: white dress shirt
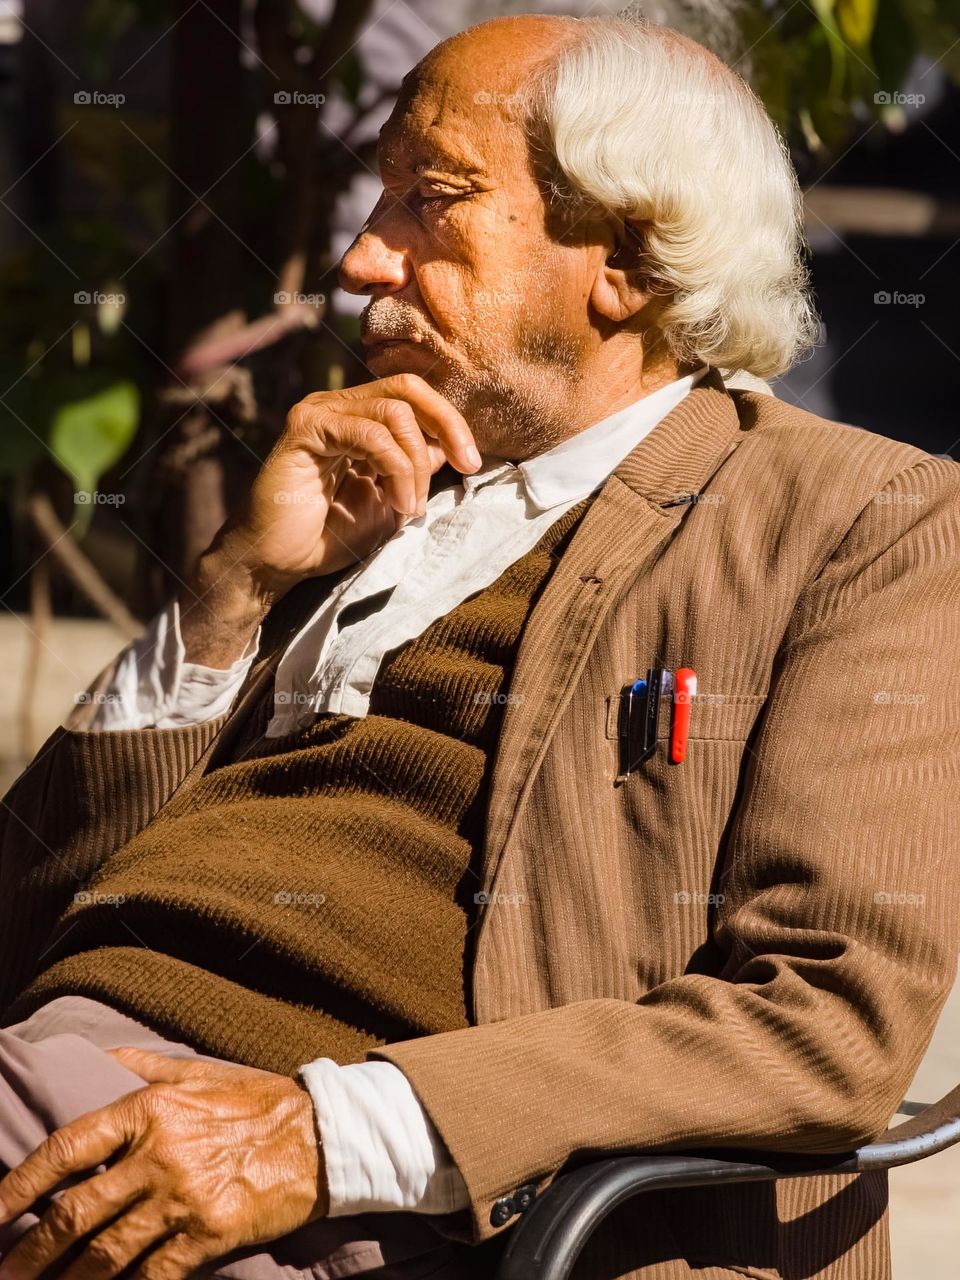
[(380, 1148)]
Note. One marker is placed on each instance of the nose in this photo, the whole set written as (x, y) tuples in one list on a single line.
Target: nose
[(374, 264)]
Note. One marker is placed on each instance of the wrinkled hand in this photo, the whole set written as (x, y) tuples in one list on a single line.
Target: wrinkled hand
[(348, 464), (210, 1158), (349, 468)]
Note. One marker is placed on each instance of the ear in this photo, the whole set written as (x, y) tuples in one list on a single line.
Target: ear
[(619, 291)]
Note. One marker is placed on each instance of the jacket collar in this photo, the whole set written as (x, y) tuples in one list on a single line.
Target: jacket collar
[(682, 452)]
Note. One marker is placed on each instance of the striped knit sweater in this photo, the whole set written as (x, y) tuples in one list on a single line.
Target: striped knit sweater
[(313, 895)]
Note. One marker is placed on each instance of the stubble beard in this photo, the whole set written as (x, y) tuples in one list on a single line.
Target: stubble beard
[(518, 404), (516, 391)]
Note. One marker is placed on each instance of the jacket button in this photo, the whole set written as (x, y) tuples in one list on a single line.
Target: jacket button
[(524, 1197), (502, 1211)]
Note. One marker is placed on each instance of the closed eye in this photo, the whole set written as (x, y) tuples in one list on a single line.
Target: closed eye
[(428, 190), (434, 197)]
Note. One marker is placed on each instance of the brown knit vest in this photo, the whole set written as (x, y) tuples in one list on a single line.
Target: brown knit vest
[(314, 894)]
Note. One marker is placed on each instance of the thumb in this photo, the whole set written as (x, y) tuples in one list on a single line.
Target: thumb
[(156, 1067), (437, 457)]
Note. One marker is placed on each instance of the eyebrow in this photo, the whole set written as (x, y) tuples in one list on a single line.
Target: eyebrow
[(420, 155), (422, 160)]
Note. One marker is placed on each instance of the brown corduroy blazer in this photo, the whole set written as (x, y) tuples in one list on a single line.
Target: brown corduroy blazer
[(749, 949)]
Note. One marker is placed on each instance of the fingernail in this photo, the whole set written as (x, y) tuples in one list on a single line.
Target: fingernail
[(472, 456)]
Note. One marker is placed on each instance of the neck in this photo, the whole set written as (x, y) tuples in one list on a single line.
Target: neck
[(617, 382)]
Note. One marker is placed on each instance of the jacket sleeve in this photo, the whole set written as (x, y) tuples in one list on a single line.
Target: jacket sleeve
[(84, 795), (837, 937)]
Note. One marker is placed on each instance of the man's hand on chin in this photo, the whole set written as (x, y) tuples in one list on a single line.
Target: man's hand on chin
[(209, 1158)]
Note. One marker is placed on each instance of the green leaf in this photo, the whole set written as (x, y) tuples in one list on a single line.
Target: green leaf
[(89, 436), (838, 50), (856, 19)]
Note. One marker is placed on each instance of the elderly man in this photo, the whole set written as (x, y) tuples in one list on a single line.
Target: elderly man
[(403, 863)]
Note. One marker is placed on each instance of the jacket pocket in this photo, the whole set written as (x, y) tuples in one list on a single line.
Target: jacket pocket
[(718, 717)]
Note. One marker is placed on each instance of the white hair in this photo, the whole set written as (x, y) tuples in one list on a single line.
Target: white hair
[(640, 123)]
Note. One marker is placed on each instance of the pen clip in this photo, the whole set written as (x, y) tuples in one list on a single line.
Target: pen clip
[(624, 718)]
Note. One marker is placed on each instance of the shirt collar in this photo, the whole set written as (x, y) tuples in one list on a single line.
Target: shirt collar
[(574, 467)]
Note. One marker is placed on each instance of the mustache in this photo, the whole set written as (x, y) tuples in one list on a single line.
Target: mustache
[(391, 318)]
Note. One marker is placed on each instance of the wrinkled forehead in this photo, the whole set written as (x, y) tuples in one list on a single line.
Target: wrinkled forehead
[(457, 110)]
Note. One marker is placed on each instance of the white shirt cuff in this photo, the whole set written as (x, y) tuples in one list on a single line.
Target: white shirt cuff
[(153, 686), (381, 1150)]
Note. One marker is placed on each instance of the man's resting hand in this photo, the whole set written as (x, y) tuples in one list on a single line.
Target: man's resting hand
[(348, 468), (210, 1158)]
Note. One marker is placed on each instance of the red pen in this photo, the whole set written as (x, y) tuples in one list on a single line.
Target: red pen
[(684, 691)]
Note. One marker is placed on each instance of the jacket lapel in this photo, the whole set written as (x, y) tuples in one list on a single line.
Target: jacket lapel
[(621, 535)]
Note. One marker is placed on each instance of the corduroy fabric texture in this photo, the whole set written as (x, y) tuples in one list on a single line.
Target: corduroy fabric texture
[(620, 1002), (314, 896)]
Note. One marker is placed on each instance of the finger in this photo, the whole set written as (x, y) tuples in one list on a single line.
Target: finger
[(401, 418), (435, 455), (73, 1215), (179, 1257), (438, 416), (362, 438), (158, 1067), (121, 1243), (76, 1146), (360, 518)]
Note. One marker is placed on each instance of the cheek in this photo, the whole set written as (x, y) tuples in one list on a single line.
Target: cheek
[(446, 289), (485, 273)]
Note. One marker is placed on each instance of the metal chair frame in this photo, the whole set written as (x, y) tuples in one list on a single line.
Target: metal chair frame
[(548, 1238)]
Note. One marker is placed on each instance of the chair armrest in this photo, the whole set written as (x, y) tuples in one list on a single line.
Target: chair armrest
[(546, 1242)]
